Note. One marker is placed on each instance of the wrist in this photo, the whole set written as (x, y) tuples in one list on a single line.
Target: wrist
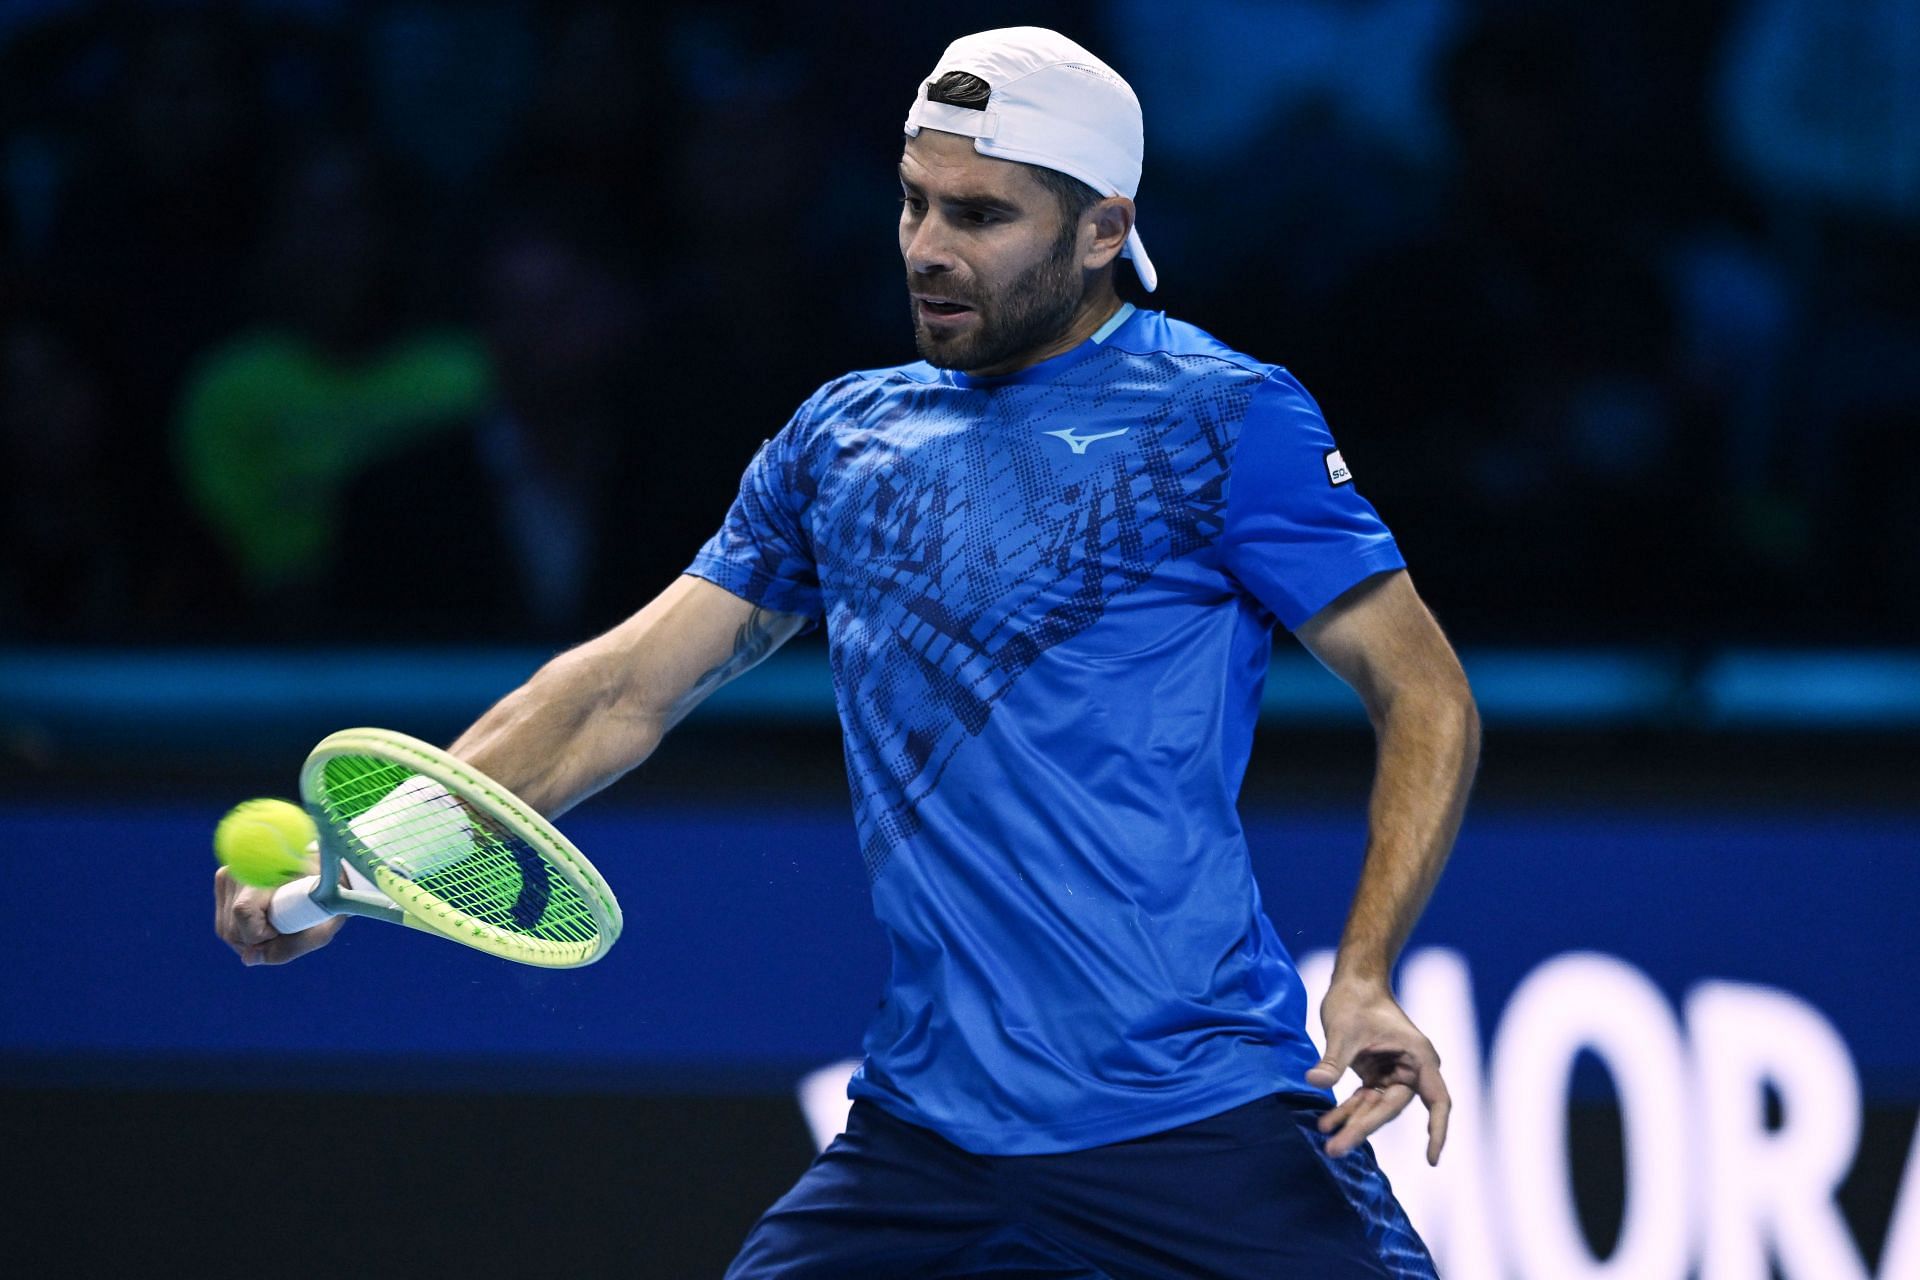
[(1361, 976)]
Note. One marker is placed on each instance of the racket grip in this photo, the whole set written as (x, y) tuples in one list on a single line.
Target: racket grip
[(292, 909)]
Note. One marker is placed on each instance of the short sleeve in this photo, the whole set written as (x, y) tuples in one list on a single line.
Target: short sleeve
[(1297, 533), (763, 552)]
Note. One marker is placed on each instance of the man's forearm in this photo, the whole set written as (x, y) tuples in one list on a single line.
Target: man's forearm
[(596, 711), (1429, 746), (562, 736)]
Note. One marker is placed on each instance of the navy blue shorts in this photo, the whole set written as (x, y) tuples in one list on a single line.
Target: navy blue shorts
[(1249, 1193)]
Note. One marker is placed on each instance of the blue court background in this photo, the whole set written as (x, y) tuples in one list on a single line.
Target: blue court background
[(750, 953)]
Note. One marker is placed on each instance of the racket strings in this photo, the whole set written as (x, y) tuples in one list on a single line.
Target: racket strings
[(414, 827)]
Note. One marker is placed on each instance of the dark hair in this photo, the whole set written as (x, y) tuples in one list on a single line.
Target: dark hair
[(963, 89)]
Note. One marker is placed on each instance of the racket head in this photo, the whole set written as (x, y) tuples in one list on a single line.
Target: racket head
[(458, 853)]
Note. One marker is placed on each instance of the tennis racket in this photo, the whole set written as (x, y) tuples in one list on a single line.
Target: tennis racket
[(432, 843)]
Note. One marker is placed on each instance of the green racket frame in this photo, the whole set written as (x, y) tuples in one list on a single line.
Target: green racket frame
[(408, 903)]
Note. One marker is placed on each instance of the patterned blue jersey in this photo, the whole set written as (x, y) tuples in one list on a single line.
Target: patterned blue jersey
[(1049, 600)]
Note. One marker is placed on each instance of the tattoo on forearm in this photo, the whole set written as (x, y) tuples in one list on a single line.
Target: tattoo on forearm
[(756, 638)]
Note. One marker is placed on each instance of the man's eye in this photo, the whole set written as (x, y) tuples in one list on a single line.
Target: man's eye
[(978, 217), (914, 203)]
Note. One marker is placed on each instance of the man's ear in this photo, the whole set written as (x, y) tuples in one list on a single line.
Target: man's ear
[(1112, 219)]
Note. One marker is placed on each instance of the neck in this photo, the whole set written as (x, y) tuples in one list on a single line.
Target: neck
[(1094, 310)]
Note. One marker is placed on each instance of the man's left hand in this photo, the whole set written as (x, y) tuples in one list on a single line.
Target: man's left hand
[(1368, 1031)]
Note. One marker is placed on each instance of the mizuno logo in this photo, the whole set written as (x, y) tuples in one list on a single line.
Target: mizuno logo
[(1080, 443)]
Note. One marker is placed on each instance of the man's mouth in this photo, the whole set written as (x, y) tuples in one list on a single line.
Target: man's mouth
[(937, 306)]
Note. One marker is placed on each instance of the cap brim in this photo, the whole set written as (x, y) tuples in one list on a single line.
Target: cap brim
[(1142, 264)]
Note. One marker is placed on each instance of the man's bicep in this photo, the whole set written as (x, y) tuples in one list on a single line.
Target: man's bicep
[(688, 641), (746, 633), (1380, 638)]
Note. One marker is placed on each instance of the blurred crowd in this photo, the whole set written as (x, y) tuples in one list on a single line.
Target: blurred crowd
[(332, 321)]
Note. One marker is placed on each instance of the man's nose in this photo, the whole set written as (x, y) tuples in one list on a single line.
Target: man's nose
[(928, 250)]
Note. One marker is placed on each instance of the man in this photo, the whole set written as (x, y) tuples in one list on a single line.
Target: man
[(1049, 559)]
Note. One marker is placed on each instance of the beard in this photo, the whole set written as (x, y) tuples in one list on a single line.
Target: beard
[(1030, 312)]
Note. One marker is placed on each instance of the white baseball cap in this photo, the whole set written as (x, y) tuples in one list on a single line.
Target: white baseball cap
[(1050, 103)]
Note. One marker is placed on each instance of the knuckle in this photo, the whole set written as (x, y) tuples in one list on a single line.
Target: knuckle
[(255, 930)]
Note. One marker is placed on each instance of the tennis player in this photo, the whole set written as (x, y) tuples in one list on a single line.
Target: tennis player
[(1049, 558)]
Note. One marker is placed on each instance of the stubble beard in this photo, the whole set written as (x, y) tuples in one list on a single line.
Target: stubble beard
[(1032, 311)]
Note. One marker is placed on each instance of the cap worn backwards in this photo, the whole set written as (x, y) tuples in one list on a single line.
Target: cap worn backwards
[(1050, 103)]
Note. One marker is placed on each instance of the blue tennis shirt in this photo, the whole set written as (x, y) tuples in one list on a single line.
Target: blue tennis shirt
[(1049, 600)]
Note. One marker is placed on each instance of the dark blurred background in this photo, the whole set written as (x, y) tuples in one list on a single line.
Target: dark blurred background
[(1614, 309)]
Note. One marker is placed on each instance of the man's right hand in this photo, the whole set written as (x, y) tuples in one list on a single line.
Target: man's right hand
[(240, 918)]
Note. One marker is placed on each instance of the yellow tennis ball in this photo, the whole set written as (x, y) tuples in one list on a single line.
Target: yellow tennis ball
[(263, 843)]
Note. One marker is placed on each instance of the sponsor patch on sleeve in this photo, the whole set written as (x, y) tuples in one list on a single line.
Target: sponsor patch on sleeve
[(1337, 473)]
